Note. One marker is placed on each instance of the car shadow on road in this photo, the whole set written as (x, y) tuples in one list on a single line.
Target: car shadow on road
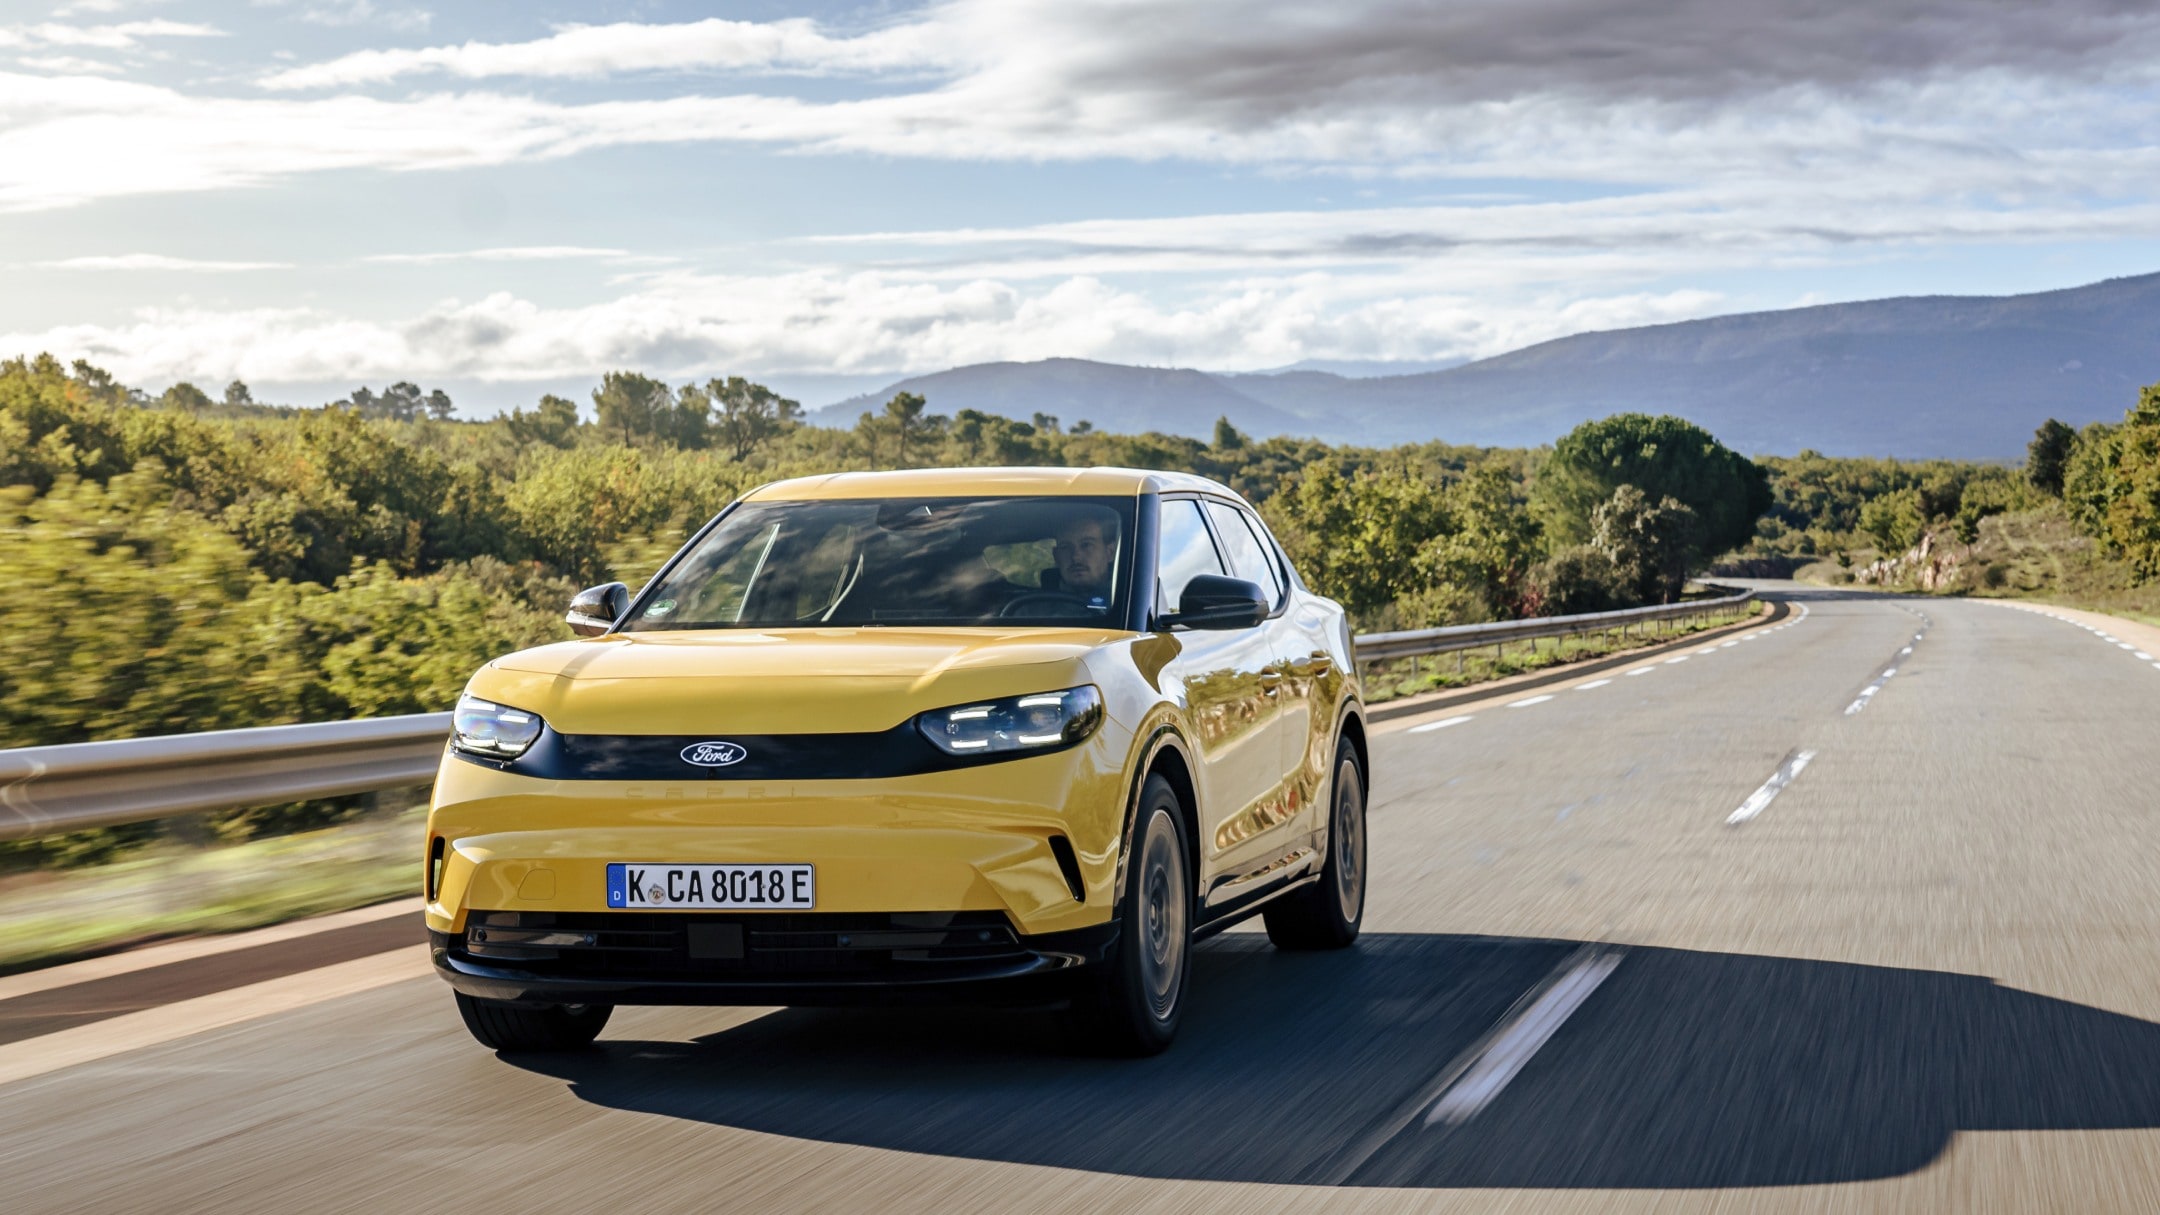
[(1685, 1069)]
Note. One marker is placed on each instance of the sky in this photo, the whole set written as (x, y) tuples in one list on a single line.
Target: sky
[(506, 197)]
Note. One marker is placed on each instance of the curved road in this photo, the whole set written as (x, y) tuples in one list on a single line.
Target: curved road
[(1732, 932)]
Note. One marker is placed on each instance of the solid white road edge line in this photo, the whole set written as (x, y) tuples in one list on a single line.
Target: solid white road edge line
[(1430, 726), (1512, 1048), (183, 1018), (71, 973), (1761, 798)]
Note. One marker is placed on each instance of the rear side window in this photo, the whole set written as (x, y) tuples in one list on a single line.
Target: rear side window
[(1185, 552), (1248, 556)]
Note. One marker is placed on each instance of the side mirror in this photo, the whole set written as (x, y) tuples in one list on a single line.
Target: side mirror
[(596, 609), (1212, 601)]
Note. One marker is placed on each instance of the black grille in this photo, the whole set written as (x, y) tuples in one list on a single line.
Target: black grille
[(658, 946)]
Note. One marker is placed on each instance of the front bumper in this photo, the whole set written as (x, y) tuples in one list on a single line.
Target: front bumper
[(774, 958), (980, 839)]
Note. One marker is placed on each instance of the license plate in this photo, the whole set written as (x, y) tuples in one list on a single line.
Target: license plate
[(716, 887)]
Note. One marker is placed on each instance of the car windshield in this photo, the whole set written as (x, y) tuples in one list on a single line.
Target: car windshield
[(902, 561)]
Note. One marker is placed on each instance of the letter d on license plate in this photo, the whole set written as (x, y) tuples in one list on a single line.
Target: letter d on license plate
[(634, 885)]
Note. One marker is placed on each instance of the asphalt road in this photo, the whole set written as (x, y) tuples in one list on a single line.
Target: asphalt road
[(1919, 973)]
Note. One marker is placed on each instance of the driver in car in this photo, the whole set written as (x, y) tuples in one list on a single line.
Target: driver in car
[(1085, 552)]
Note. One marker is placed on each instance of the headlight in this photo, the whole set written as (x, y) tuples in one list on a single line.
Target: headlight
[(482, 727), (1018, 723)]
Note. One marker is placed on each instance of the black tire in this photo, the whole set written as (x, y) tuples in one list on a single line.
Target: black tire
[(1326, 914), (509, 1027), (1134, 1005)]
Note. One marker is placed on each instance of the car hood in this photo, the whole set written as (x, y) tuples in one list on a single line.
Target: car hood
[(780, 681)]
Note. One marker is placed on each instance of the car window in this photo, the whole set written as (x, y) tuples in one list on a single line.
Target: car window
[(1248, 556), (901, 561), (1184, 552)]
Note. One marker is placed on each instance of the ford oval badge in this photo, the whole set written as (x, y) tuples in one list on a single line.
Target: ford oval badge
[(713, 754)]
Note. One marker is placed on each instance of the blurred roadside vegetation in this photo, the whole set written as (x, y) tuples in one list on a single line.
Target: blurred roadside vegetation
[(2077, 523), (194, 561)]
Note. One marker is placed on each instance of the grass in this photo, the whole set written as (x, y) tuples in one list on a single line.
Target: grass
[(181, 889), (1397, 678)]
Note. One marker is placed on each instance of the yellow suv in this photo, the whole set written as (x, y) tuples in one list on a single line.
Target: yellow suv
[(984, 734)]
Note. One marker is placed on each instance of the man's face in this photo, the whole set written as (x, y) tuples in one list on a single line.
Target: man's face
[(1083, 556)]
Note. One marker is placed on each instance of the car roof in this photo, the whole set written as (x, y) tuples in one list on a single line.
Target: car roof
[(988, 482)]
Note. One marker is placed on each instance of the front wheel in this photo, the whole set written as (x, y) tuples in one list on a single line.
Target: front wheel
[(1326, 914), (1135, 1004), (510, 1027)]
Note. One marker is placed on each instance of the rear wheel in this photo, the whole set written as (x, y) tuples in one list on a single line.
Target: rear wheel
[(510, 1027), (1136, 1002), (1326, 914)]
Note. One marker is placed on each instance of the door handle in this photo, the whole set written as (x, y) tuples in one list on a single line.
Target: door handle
[(1321, 661), (1270, 682)]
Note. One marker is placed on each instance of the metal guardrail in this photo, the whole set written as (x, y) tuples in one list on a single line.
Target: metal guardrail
[(1377, 647), (78, 786)]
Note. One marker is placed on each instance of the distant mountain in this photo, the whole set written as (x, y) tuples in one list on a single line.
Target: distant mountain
[(1112, 396), (1961, 376)]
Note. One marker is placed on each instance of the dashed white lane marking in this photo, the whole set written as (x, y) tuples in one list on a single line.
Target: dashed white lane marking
[(1526, 703), (1642, 670), (1430, 726), (2125, 645), (1759, 800), (1907, 650), (1678, 658), (1728, 645), (1595, 683), (2142, 656), (1510, 1049)]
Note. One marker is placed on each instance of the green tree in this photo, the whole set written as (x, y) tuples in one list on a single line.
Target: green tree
[(1491, 541), (1362, 539), (904, 420), (237, 395), (554, 421), (2112, 484), (632, 405), (1650, 543), (1664, 457), (748, 415), (1227, 437), (1579, 579), (2047, 455), (1895, 520), (185, 397)]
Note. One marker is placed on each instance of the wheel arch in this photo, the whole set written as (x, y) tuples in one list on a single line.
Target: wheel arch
[(1165, 754), (1352, 730)]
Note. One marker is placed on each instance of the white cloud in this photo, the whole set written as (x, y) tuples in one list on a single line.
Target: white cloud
[(585, 51), (365, 12), (123, 36), (513, 253), (689, 325), (159, 261), (69, 65)]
